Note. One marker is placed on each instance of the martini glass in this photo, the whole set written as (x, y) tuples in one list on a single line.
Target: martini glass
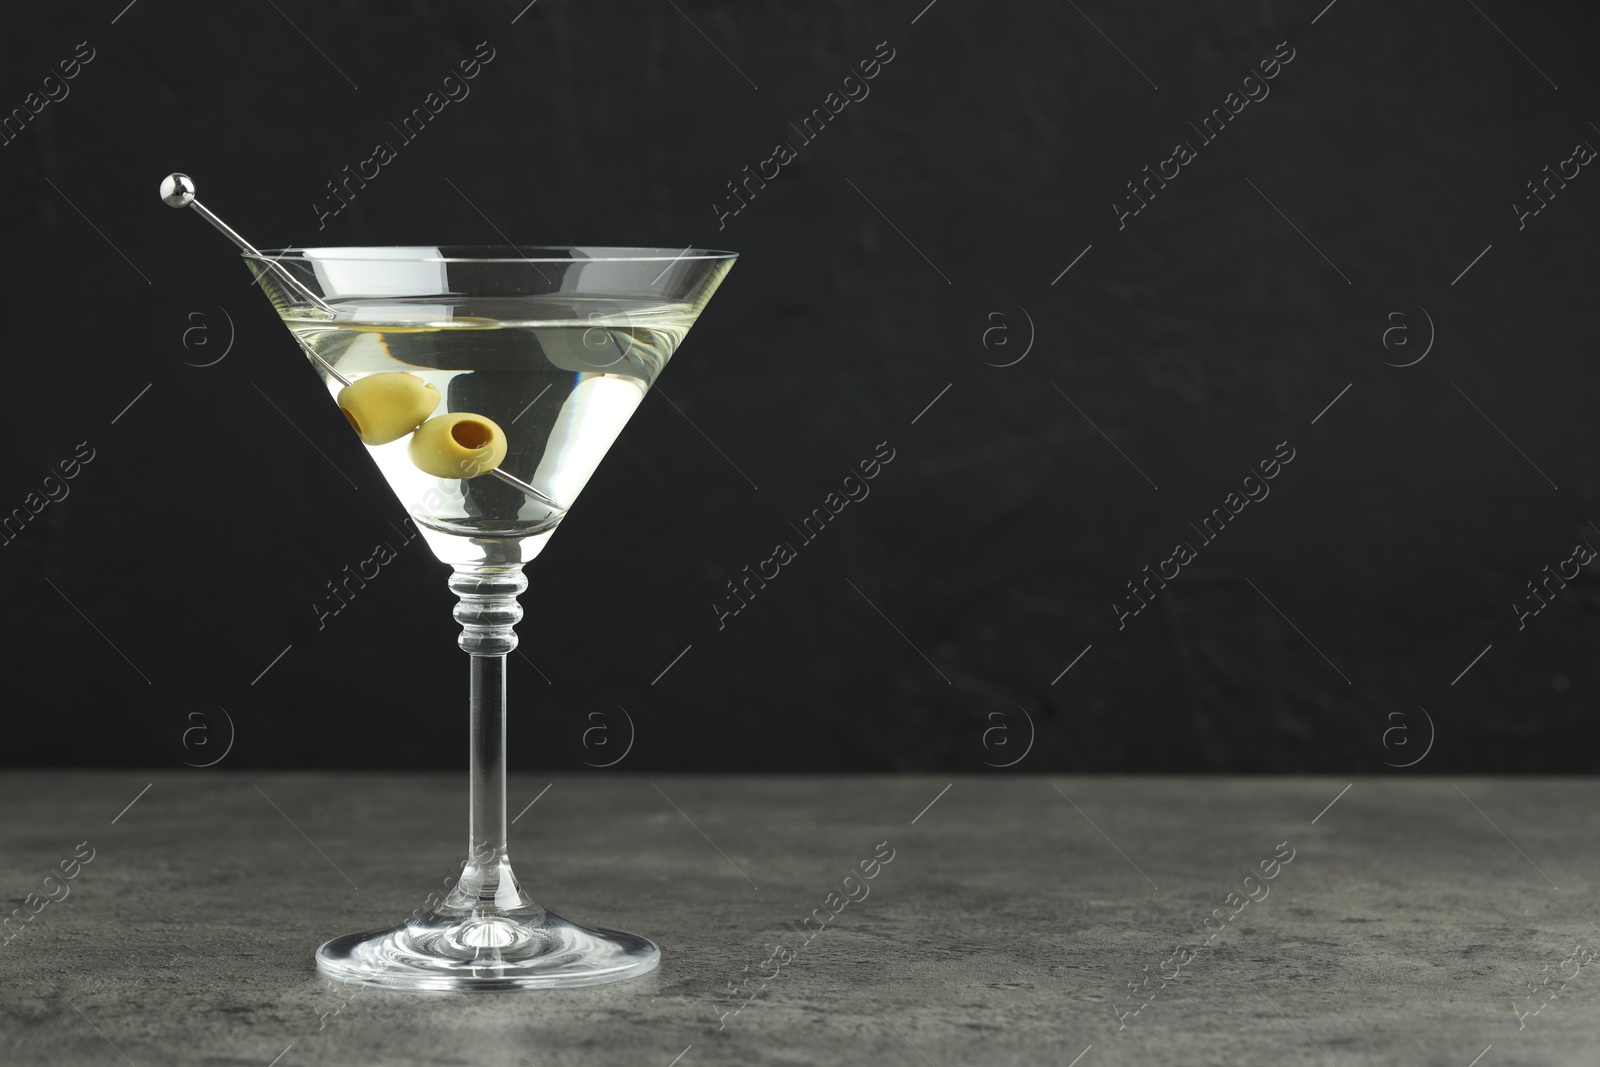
[(487, 384)]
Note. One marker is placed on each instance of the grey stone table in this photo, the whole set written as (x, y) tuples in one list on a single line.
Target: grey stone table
[(1017, 920)]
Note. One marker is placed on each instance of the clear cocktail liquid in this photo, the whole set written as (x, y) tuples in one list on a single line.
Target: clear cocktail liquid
[(561, 376)]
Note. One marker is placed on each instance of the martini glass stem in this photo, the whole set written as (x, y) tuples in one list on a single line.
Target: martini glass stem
[(488, 612), (488, 699)]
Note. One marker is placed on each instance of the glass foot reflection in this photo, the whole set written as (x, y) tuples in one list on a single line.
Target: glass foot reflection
[(487, 951)]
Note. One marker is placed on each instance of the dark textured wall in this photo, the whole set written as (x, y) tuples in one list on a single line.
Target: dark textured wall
[(1083, 421)]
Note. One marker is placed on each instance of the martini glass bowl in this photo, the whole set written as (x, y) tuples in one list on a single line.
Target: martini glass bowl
[(499, 377)]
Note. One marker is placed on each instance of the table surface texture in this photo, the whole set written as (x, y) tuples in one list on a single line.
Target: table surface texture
[(1007, 919)]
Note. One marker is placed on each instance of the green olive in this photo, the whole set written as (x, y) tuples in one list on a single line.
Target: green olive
[(386, 407), (458, 445)]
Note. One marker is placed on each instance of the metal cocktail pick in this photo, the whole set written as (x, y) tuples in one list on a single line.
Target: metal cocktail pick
[(177, 190)]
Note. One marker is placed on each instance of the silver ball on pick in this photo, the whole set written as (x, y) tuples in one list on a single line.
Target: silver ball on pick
[(177, 190)]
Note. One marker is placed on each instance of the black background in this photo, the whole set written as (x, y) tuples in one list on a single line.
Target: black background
[(1196, 339)]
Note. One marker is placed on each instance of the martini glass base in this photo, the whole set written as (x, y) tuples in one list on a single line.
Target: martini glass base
[(487, 952)]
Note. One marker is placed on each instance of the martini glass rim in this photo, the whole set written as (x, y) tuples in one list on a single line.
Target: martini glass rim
[(487, 254)]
